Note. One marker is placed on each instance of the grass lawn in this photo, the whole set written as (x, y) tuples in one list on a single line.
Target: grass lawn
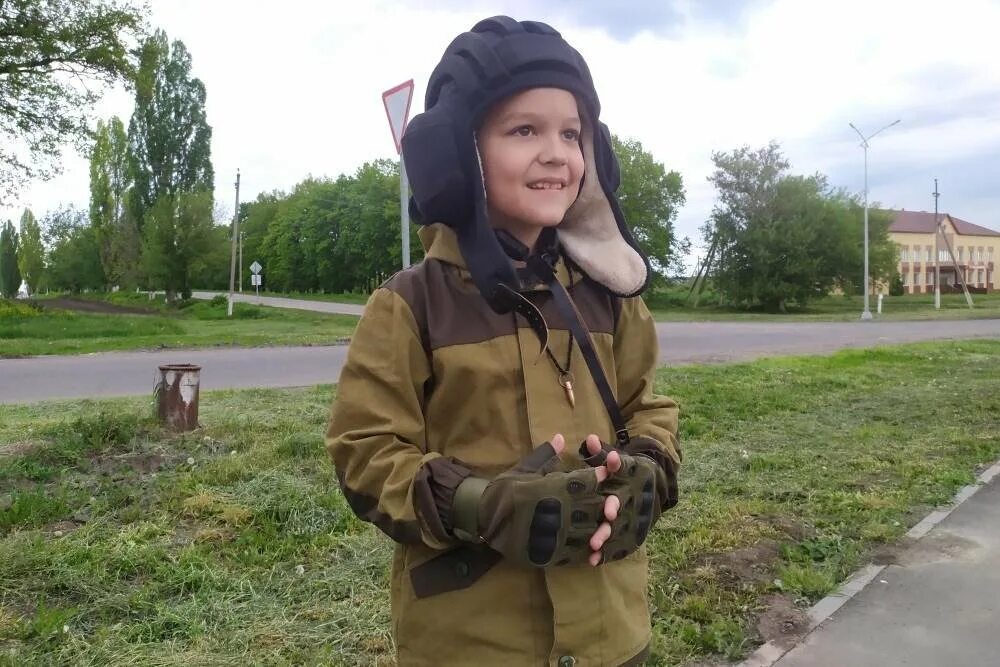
[(121, 545), (672, 306), (195, 324)]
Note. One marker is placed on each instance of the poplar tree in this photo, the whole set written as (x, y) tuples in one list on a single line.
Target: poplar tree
[(10, 274), (110, 185), (31, 254), (170, 163)]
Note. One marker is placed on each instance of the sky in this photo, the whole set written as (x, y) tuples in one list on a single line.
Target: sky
[(294, 89)]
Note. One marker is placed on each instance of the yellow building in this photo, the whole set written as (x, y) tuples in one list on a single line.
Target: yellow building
[(976, 249)]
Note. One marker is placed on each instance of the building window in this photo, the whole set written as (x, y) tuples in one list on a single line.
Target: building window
[(906, 279), (930, 278), (928, 255), (960, 250), (979, 275), (916, 278)]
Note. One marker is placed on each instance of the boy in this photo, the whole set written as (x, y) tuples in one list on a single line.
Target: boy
[(521, 326)]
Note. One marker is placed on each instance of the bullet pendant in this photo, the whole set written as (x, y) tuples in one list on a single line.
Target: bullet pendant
[(566, 380)]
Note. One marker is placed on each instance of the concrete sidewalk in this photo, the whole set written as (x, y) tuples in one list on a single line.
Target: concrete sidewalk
[(936, 603)]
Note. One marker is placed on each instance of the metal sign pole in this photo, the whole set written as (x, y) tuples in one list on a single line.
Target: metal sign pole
[(404, 211)]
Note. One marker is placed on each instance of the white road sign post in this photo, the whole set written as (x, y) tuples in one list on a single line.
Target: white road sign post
[(397, 110), (255, 278)]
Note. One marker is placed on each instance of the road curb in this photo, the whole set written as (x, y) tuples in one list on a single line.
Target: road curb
[(771, 652)]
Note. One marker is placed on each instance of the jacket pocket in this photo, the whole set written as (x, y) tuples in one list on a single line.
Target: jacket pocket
[(453, 570)]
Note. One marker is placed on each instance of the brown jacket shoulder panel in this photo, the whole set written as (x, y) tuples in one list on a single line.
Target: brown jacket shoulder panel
[(450, 311)]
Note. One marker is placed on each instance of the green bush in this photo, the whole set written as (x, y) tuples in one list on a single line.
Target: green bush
[(11, 308)]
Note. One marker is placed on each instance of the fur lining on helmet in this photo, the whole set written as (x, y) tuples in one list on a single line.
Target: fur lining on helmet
[(591, 237)]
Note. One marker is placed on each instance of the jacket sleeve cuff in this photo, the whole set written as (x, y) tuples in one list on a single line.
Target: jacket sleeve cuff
[(434, 495)]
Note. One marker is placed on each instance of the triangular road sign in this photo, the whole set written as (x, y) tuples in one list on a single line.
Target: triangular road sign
[(397, 110)]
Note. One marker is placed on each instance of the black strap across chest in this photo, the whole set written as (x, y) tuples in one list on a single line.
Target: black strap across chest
[(568, 311)]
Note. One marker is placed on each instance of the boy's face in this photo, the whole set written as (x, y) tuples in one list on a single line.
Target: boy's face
[(532, 161)]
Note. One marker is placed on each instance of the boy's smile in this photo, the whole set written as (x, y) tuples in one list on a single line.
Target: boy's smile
[(532, 161)]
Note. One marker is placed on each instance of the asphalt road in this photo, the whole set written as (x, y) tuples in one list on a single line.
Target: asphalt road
[(129, 373)]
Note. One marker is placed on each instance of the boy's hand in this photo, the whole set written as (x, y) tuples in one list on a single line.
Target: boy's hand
[(612, 504), (535, 513)]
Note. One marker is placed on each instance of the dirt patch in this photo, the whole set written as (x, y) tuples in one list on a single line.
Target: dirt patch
[(140, 462), (16, 448), (781, 621), (793, 528), (61, 528), (88, 306), (753, 564), (736, 570)]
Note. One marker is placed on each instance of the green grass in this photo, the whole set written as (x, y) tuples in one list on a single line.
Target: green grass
[(122, 545), (671, 305), (194, 324)]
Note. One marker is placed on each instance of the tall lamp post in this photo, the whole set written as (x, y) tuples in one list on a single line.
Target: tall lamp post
[(867, 313)]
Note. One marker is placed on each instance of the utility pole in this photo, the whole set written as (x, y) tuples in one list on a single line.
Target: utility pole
[(937, 257), (232, 260), (242, 236)]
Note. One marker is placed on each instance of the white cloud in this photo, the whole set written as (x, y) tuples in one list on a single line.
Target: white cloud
[(295, 89)]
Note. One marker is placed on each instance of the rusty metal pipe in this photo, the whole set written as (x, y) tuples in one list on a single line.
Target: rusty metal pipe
[(176, 394)]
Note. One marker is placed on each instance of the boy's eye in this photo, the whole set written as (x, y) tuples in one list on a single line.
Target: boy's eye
[(523, 131), (571, 135)]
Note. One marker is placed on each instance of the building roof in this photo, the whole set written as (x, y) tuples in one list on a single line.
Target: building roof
[(922, 222)]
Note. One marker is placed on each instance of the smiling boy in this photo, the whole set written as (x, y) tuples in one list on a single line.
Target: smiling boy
[(520, 332)]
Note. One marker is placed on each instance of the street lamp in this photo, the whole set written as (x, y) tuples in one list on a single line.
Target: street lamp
[(867, 313)]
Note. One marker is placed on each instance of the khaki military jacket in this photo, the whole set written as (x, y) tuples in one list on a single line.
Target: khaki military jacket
[(436, 382)]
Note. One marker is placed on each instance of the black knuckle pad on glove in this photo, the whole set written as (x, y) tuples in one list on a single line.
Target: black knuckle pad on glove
[(541, 517), (635, 484)]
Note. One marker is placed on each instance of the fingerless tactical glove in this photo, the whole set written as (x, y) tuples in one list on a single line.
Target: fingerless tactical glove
[(535, 513), (646, 485)]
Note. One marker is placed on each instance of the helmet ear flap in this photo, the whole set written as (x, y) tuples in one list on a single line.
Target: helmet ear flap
[(604, 156), (434, 167)]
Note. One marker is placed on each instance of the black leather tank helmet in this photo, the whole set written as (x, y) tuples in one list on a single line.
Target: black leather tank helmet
[(498, 58)]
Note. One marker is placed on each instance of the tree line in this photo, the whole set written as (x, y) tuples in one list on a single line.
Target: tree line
[(149, 221), (776, 239)]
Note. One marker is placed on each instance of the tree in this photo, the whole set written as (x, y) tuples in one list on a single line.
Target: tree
[(56, 57), (170, 163), (10, 275), (650, 198), (169, 135), (74, 259), (332, 236), (782, 238), (177, 237), (31, 259), (110, 183)]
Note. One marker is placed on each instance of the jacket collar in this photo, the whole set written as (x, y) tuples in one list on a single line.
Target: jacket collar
[(441, 243)]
